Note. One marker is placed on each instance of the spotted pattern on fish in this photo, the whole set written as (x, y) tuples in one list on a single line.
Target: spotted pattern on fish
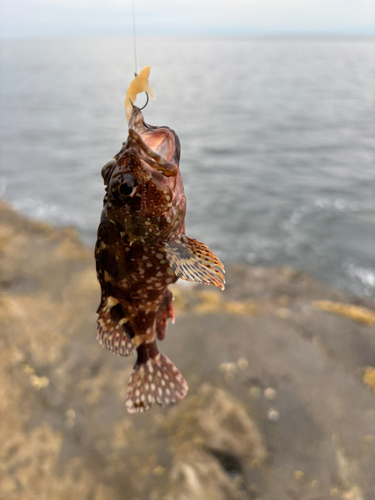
[(165, 312), (192, 260), (155, 381), (113, 332), (141, 249)]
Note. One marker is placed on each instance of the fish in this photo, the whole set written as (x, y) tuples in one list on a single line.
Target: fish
[(141, 249)]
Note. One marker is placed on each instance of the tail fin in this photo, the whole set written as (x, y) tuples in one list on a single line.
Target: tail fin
[(156, 380), (113, 332)]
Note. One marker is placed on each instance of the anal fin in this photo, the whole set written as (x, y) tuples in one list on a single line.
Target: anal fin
[(113, 332), (164, 313), (192, 260)]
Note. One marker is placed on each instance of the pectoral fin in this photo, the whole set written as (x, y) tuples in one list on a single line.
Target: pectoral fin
[(192, 260)]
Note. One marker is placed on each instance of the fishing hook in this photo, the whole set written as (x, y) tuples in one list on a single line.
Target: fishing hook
[(146, 102), (140, 109)]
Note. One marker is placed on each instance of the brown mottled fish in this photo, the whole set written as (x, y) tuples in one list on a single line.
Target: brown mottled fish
[(140, 250)]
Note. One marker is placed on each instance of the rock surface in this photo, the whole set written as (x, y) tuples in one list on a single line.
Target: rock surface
[(280, 405)]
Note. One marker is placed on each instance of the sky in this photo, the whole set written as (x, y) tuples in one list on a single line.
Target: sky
[(51, 18)]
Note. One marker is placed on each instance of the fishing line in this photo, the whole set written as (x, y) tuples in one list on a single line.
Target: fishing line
[(135, 43)]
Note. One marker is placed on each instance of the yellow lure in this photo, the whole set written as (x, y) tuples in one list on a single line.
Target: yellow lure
[(138, 85)]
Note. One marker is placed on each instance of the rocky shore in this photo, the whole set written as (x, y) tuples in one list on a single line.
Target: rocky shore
[(281, 372)]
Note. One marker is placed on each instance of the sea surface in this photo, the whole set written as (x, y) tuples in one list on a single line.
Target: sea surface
[(278, 141)]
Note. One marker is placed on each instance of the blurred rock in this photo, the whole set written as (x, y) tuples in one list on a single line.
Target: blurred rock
[(280, 368), (216, 421), (197, 476)]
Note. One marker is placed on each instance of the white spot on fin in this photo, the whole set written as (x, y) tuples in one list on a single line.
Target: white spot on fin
[(151, 383)]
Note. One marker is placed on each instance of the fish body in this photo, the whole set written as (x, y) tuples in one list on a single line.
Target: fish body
[(141, 249)]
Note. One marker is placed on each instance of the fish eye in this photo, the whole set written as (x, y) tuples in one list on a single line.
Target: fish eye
[(128, 185)]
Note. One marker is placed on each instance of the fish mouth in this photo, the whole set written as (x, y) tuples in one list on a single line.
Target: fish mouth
[(158, 146)]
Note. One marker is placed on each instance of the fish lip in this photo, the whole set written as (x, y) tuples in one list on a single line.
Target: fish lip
[(153, 159), (137, 122), (137, 128)]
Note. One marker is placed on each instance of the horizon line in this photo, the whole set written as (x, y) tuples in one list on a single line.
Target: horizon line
[(334, 35)]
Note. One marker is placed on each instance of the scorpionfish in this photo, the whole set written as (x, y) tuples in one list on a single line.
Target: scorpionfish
[(141, 249)]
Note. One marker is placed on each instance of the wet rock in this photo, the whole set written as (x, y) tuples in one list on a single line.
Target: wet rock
[(220, 424), (195, 475)]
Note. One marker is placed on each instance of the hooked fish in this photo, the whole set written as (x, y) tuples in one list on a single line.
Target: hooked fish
[(141, 249)]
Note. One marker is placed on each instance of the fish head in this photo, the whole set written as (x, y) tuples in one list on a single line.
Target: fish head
[(145, 194)]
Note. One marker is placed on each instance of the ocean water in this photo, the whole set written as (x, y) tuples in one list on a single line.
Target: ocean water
[(278, 141)]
